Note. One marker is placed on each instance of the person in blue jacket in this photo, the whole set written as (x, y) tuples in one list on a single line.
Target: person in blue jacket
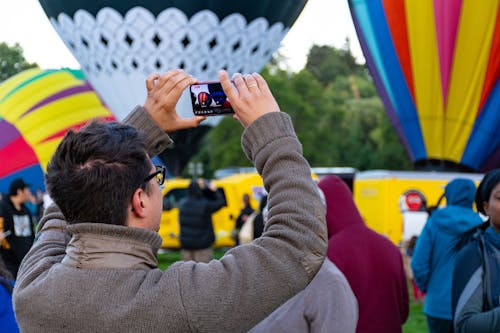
[(434, 257), (476, 278), (8, 322)]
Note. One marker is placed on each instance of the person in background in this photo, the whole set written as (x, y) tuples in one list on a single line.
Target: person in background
[(418, 295), (326, 305), (476, 277), (16, 224), (254, 225), (8, 322), (195, 219), (245, 212), (258, 221), (372, 264), (94, 268), (434, 256), (35, 205)]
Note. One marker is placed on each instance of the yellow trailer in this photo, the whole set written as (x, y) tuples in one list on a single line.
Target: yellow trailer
[(394, 203), (232, 188)]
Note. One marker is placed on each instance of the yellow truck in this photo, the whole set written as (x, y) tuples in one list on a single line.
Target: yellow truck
[(394, 203), (232, 187)]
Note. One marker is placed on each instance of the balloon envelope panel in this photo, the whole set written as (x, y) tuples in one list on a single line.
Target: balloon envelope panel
[(119, 43), (37, 108), (436, 65)]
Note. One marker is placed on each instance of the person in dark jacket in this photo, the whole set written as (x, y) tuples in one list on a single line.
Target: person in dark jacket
[(258, 221), (16, 225), (435, 252), (195, 219), (245, 212), (476, 278), (372, 264)]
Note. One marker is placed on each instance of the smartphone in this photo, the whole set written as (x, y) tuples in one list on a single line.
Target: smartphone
[(208, 99)]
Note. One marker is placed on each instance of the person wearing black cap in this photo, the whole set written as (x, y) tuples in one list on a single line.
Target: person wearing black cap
[(476, 278), (16, 225)]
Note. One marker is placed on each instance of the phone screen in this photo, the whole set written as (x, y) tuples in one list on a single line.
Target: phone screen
[(208, 99)]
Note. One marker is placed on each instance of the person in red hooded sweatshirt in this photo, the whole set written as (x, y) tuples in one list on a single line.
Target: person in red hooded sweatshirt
[(372, 264)]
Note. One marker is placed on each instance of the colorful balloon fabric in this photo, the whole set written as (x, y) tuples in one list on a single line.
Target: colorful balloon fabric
[(436, 65), (37, 108), (120, 42)]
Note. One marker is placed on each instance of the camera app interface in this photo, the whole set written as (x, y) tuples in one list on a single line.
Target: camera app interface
[(209, 99)]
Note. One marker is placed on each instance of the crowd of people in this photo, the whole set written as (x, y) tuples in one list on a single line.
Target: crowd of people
[(308, 264)]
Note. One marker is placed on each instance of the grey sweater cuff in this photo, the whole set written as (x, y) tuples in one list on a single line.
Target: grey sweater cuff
[(264, 130), (156, 139)]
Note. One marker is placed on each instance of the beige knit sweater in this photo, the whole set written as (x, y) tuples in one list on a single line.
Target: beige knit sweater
[(102, 278)]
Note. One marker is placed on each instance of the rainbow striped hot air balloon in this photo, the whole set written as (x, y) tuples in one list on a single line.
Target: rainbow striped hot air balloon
[(436, 65), (37, 108)]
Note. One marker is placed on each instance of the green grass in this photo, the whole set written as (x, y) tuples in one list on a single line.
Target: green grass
[(416, 322)]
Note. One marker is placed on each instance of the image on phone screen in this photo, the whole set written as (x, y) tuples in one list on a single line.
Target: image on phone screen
[(208, 99)]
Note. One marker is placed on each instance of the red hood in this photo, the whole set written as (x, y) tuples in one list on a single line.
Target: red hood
[(341, 211)]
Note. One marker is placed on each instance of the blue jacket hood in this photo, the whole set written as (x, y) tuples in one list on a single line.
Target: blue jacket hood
[(458, 215), (460, 192), (455, 220)]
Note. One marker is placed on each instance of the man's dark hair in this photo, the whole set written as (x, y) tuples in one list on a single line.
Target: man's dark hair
[(94, 172), (15, 185)]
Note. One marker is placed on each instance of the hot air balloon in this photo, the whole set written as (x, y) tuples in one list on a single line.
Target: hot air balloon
[(436, 65), (205, 99), (37, 107), (120, 42)]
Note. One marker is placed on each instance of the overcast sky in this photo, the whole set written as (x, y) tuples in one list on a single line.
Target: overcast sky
[(322, 22)]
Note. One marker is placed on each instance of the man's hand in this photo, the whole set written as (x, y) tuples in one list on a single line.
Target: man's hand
[(212, 186), (164, 92), (251, 98)]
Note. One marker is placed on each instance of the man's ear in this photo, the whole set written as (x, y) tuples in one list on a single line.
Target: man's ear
[(137, 203)]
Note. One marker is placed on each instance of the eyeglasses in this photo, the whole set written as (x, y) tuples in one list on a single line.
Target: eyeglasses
[(159, 174)]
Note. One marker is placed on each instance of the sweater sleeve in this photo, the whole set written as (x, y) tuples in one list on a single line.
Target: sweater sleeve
[(251, 280), (156, 139)]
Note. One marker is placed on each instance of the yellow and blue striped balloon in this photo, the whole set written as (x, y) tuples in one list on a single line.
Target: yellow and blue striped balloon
[(37, 108), (436, 65)]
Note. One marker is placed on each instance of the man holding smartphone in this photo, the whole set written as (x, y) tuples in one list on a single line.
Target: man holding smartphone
[(94, 267)]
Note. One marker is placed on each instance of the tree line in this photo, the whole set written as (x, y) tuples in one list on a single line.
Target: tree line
[(336, 111)]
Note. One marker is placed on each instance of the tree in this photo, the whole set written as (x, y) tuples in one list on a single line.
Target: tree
[(369, 140), (12, 61), (327, 63)]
